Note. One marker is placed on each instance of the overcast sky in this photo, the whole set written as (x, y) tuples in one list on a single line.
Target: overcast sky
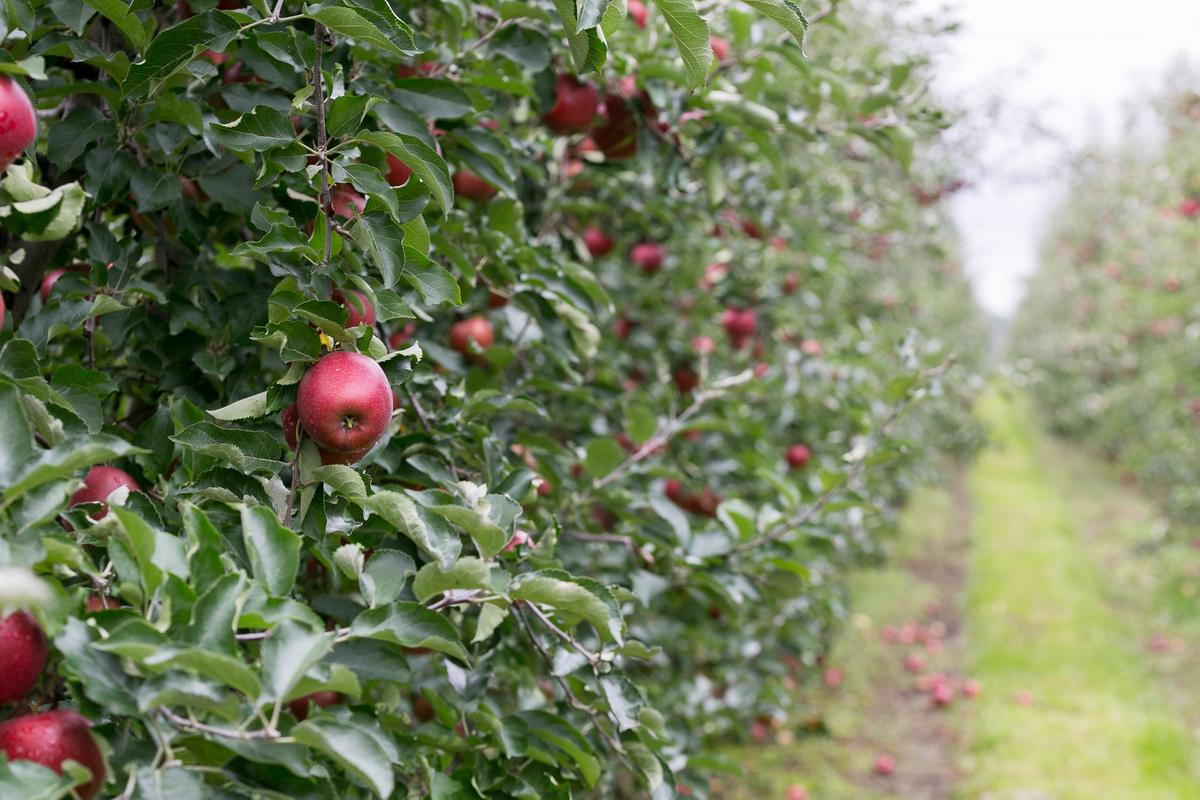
[(1071, 65)]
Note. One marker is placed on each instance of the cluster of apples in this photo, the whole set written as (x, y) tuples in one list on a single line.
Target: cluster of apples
[(49, 738), (942, 690)]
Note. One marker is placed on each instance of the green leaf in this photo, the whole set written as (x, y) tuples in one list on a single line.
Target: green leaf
[(176, 46), (274, 551), (482, 524), (356, 750), (252, 407), (565, 593), (287, 654), (350, 23), (590, 13), (383, 239), (143, 543), (588, 51), (226, 670), (118, 12), (248, 451), (344, 480), (429, 533), (15, 433), (429, 167), (29, 780), (467, 573), (603, 456), (433, 98), (559, 733), (434, 282), (260, 130), (409, 625), (624, 700), (384, 576), (786, 13), (345, 114), (691, 38)]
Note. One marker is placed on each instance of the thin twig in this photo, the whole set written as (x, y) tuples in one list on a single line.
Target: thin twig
[(275, 11), (323, 157), (182, 723), (592, 658), (802, 518), (416, 406)]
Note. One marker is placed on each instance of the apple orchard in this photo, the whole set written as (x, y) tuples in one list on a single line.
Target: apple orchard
[(448, 399)]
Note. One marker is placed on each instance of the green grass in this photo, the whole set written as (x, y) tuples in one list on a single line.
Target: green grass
[(837, 766), (1041, 620)]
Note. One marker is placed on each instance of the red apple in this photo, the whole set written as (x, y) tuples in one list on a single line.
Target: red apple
[(346, 202), (18, 122), (1190, 207), (615, 134), (597, 241), (648, 256), (798, 456), (353, 457), (469, 185), (475, 331), (519, 539), (398, 172), (496, 299), (914, 663), (791, 282), (796, 793), (99, 483), (834, 677), (100, 602), (623, 326), (359, 306), (52, 738), (299, 706), (1, 311), (52, 277), (779, 243), (574, 105), (637, 12), (943, 694), (703, 345), (424, 68), (344, 403), (751, 228), (885, 765), (971, 688), (22, 655), (739, 324), (720, 48), (685, 380)]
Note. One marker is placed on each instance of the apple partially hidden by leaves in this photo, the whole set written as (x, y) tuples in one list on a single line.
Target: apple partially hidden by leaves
[(23, 654), (18, 122), (52, 738)]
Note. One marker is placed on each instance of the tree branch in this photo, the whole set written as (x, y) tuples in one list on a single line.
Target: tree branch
[(184, 724), (326, 200)]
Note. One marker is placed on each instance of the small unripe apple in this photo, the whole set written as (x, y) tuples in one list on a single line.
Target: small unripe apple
[(99, 483), (22, 655), (18, 122), (344, 403), (720, 48), (52, 738), (398, 172), (638, 12), (346, 202), (469, 185), (798, 456), (299, 706), (574, 105), (597, 241), (885, 765), (471, 332), (648, 256), (359, 306)]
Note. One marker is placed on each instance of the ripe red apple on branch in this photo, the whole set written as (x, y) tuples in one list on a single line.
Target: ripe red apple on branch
[(648, 256), (52, 738), (798, 456), (597, 241), (299, 706), (18, 121), (359, 306), (398, 172), (739, 324), (638, 12), (472, 187), (344, 404), (99, 483), (574, 105), (23, 654), (471, 333)]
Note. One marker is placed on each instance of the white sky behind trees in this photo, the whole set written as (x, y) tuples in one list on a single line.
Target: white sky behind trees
[(1058, 75)]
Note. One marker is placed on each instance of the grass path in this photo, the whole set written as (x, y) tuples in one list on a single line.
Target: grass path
[(1046, 619)]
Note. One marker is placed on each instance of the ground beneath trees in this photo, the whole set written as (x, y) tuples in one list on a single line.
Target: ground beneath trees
[(1057, 588)]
